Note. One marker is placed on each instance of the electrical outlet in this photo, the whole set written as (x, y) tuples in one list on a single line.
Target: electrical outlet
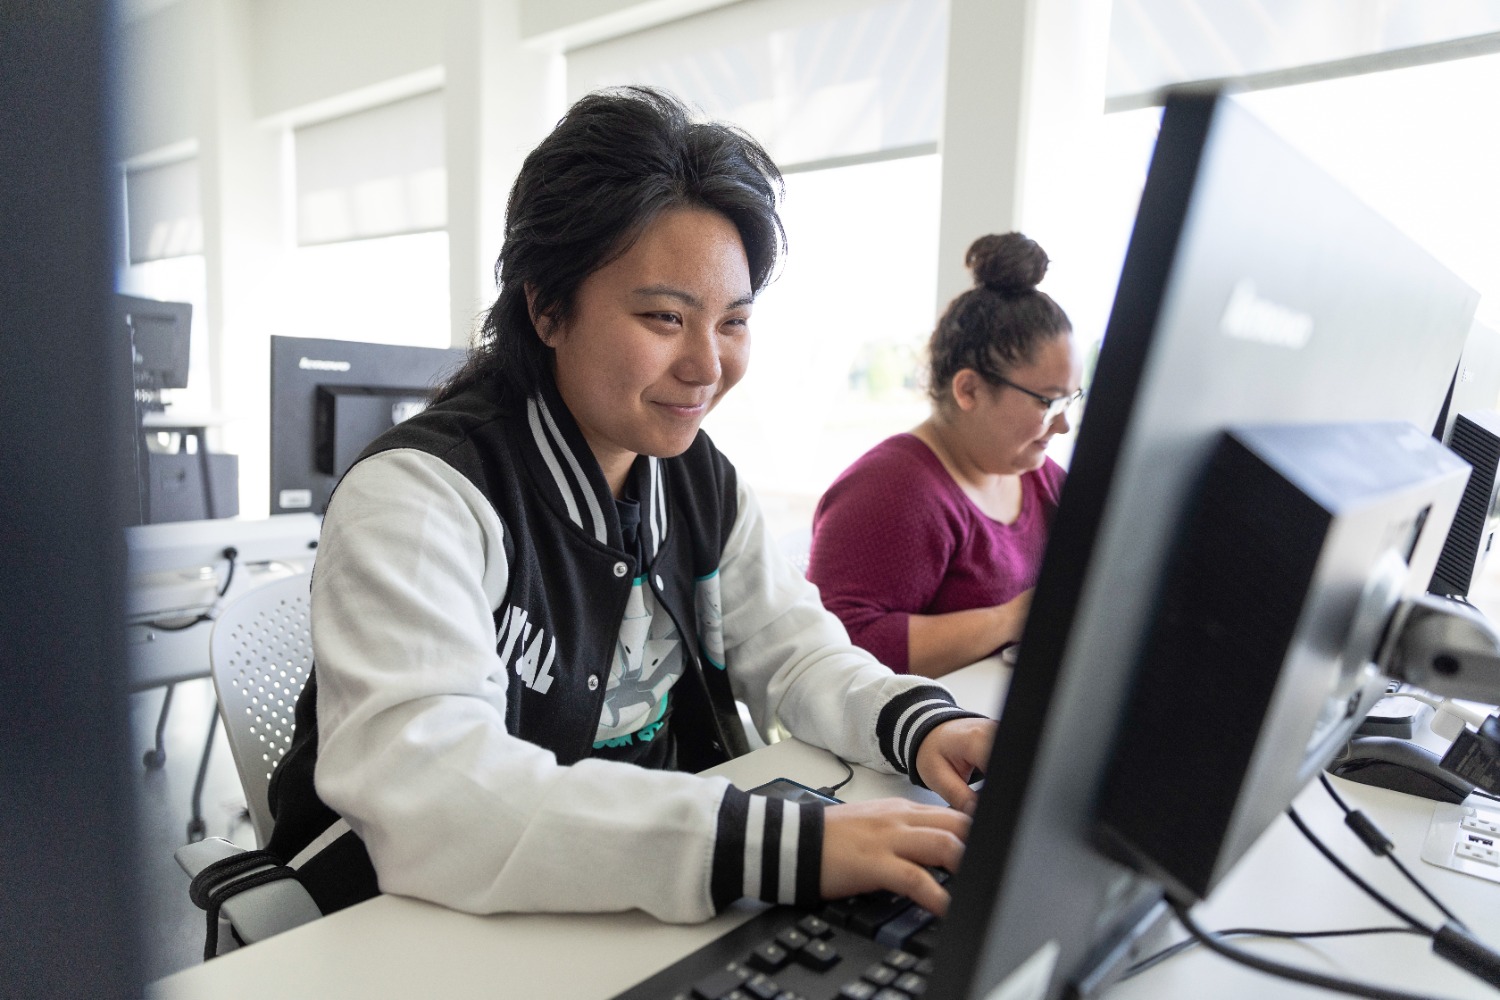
[(1484, 823), (1477, 849)]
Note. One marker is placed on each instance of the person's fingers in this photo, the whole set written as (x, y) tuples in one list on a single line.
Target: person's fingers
[(932, 847), (954, 790), (890, 844), (915, 854), (917, 884), (950, 754)]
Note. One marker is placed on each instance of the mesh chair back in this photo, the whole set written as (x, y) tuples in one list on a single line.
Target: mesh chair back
[(261, 653)]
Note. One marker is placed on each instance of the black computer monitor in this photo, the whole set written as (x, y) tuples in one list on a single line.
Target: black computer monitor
[(331, 398), (161, 336), (1255, 291), (1469, 424), (1476, 381)]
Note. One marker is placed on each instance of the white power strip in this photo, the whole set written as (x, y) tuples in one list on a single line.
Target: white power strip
[(1465, 838)]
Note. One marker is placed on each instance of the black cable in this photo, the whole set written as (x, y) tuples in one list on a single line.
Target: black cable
[(1153, 960), (1333, 792), (1369, 889), (231, 553), (1424, 890), (1485, 795), (848, 777), (163, 626), (1250, 959), (1380, 845)]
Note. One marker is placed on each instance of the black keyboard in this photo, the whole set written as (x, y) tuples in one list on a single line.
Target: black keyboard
[(875, 946)]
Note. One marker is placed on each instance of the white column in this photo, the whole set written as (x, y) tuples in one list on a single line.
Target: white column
[(502, 98), (243, 239), (1025, 96)]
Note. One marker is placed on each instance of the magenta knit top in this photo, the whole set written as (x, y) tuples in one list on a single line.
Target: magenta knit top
[(895, 536)]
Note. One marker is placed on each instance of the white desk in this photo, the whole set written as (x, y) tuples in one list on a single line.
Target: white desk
[(401, 948)]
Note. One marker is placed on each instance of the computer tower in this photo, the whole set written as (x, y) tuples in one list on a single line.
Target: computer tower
[(175, 488)]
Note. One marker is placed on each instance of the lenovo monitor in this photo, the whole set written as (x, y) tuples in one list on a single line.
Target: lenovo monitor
[(1255, 292), (330, 399)]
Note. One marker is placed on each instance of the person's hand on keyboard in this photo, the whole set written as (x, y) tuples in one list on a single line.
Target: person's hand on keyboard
[(890, 844), (950, 755)]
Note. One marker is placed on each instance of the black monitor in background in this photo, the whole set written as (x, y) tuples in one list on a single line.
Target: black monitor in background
[(161, 337), (156, 338), (1470, 426), (1476, 381), (1255, 291), (331, 398)]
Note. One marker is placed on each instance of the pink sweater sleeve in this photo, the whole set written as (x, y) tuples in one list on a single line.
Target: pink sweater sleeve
[(882, 537)]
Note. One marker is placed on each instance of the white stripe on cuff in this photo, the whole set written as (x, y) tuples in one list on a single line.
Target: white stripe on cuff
[(755, 836), (916, 727), (791, 827)]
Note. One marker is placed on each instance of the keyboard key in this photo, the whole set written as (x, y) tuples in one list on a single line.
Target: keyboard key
[(837, 911), (768, 957), (890, 993), (814, 926), (762, 987), (924, 968), (910, 982), (857, 990), (875, 909), (819, 955), (719, 985), (900, 960), (922, 942), (894, 933), (791, 939), (881, 975)]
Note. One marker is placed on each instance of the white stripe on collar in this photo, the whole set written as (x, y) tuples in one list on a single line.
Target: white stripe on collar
[(601, 526), (658, 507), (549, 456), (578, 486)]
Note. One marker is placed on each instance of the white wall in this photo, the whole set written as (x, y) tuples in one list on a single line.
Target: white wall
[(227, 78), (311, 52), (569, 23), (161, 61)]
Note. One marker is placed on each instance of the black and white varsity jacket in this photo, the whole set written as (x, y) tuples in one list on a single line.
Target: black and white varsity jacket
[(467, 600)]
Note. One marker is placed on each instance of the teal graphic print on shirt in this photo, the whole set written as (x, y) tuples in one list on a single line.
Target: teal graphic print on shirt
[(648, 661)]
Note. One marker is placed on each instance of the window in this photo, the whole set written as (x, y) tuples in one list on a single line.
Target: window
[(372, 257), (847, 98), (813, 81), (838, 337), (1418, 145)]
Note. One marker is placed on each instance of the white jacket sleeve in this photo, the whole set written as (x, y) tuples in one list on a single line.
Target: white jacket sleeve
[(791, 659), (414, 753)]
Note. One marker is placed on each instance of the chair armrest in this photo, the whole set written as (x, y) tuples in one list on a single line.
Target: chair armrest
[(259, 912)]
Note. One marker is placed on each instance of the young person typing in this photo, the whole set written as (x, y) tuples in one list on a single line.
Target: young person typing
[(536, 602)]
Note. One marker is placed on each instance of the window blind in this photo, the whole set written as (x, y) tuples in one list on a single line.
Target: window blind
[(380, 172)]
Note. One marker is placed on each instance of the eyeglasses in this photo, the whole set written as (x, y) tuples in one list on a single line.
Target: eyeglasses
[(1054, 404)]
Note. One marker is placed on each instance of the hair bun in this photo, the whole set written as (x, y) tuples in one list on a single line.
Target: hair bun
[(1010, 263)]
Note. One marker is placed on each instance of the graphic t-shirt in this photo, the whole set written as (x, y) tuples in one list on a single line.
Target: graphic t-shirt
[(648, 661)]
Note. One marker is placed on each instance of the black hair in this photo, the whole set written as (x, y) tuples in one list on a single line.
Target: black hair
[(997, 325), (617, 160)]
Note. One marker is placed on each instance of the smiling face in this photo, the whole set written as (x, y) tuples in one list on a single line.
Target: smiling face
[(655, 339), (1005, 431)]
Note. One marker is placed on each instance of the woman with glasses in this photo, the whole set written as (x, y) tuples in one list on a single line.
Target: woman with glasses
[(928, 546)]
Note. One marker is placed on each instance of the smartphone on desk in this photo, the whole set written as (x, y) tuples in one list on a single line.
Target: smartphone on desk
[(793, 791)]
